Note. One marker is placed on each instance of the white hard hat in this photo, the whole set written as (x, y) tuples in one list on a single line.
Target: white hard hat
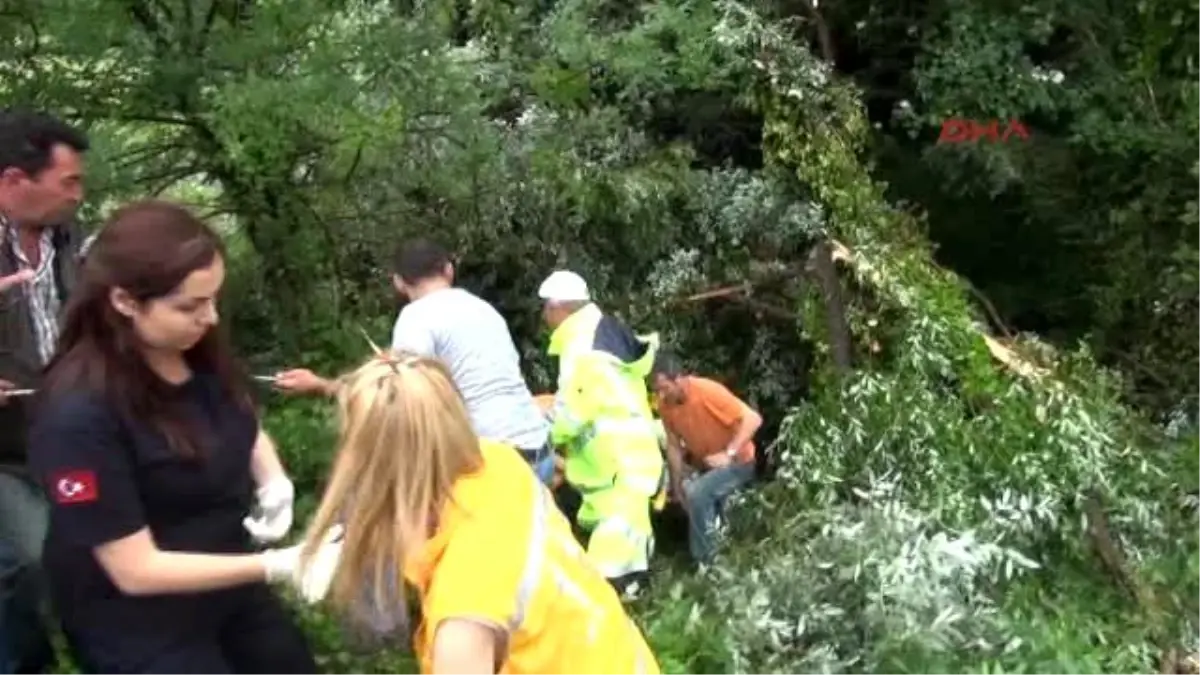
[(564, 286)]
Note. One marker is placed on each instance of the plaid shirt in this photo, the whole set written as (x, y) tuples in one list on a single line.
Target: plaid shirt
[(41, 291)]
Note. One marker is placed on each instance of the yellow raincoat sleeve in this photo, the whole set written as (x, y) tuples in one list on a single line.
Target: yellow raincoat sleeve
[(575, 403)]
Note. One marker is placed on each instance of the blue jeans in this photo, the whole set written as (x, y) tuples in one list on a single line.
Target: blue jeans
[(544, 468), (24, 515), (24, 645), (705, 495), (5, 650), (541, 461)]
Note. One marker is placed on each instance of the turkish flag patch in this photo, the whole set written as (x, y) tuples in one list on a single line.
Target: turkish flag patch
[(78, 486)]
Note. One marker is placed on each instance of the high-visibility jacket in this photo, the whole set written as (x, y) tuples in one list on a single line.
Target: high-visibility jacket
[(602, 420), (546, 403), (559, 615)]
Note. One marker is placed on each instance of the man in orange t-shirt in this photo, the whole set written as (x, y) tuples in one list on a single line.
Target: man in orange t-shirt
[(712, 431)]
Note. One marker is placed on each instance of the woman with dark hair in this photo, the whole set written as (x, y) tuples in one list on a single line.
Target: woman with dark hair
[(146, 439)]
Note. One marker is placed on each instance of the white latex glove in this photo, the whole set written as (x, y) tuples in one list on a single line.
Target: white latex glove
[(311, 581), (274, 517)]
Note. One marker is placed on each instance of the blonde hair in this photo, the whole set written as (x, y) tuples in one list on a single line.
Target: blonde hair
[(405, 437)]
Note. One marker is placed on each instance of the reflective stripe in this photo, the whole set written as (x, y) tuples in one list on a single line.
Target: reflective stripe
[(542, 535), (621, 389), (638, 545), (539, 541), (535, 556), (618, 570), (566, 365), (618, 413), (616, 389), (536, 560), (629, 425), (620, 524), (617, 386), (566, 428), (562, 415), (567, 586), (628, 477), (585, 490)]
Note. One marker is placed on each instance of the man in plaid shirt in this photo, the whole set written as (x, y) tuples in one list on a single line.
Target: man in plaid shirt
[(41, 186)]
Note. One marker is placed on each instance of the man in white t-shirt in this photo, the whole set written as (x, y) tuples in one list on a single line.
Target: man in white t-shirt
[(472, 339)]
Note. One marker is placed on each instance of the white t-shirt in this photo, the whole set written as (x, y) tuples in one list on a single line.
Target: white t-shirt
[(472, 339)]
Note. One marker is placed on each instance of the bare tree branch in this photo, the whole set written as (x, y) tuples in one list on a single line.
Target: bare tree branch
[(143, 16), (835, 307), (824, 36)]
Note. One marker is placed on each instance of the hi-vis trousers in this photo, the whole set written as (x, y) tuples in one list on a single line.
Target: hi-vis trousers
[(617, 515)]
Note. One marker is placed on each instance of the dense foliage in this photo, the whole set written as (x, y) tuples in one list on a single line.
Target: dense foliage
[(704, 164)]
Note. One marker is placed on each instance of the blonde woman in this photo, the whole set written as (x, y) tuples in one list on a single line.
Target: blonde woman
[(502, 584)]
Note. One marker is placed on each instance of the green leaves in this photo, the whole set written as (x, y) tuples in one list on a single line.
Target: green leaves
[(622, 140)]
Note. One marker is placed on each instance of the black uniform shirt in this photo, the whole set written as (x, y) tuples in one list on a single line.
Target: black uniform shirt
[(109, 477)]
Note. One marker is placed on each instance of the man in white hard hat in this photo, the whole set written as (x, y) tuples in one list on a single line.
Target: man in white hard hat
[(602, 420)]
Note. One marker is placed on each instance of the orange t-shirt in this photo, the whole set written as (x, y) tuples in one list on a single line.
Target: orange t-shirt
[(706, 420)]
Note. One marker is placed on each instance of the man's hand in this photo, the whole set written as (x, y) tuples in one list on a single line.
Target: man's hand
[(678, 494), (682, 494), (560, 471), (301, 381), (718, 460), (15, 279), (5, 387)]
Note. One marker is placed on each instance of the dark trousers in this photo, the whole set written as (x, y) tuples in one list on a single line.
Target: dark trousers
[(256, 636), (24, 640), (24, 645)]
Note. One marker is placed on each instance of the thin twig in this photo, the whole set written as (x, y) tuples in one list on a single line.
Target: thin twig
[(374, 347), (725, 292)]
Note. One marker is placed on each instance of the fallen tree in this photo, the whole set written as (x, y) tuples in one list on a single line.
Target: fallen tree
[(933, 510)]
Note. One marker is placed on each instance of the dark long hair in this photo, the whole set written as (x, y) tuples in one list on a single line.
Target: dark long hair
[(147, 248)]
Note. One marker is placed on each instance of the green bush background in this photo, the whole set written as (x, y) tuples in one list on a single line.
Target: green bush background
[(931, 511)]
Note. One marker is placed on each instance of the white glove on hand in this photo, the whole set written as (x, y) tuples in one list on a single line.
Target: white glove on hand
[(313, 580), (274, 513)]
